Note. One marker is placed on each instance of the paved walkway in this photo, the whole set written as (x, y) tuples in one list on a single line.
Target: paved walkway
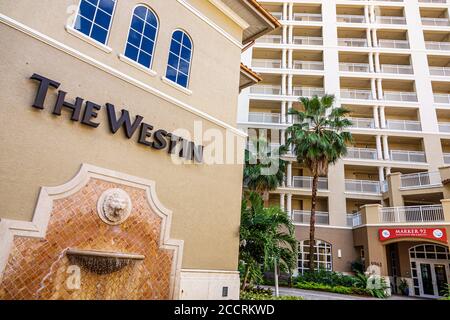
[(321, 295)]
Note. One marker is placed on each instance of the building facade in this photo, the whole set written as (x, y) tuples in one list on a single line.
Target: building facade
[(386, 203), (107, 110)]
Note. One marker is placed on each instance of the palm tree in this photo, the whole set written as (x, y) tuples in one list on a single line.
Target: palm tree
[(318, 140), (266, 237)]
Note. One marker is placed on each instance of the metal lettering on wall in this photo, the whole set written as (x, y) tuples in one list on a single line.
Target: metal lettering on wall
[(161, 139)]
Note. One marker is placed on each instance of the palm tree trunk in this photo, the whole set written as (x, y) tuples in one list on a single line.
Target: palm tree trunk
[(246, 273), (312, 221), (275, 273)]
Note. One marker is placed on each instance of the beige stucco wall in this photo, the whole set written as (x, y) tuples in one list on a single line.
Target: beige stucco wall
[(39, 149)]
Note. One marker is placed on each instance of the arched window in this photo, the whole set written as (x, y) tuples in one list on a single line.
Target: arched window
[(180, 56), (322, 255), (94, 18), (142, 36)]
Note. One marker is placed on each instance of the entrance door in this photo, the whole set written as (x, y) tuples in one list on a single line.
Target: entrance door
[(427, 279), (441, 278)]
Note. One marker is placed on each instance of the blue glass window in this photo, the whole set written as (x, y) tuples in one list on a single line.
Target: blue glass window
[(94, 18), (142, 36), (180, 56)]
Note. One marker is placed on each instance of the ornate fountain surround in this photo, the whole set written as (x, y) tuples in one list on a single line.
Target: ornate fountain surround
[(37, 229)]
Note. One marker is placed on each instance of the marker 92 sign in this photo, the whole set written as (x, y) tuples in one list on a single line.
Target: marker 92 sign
[(436, 234)]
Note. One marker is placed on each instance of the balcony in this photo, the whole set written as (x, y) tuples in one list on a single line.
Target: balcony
[(363, 186), (420, 180), (308, 41), (306, 183), (348, 18), (307, 17), (308, 91), (444, 127), (434, 45), (400, 96), (362, 123), (427, 213), (303, 217), (263, 117), (354, 219), (404, 125), (278, 15), (397, 69), (356, 94), (270, 38), (266, 63), (308, 65), (354, 67), (352, 42), (440, 71), (394, 44), (362, 153), (433, 1), (266, 89), (446, 158), (391, 20), (408, 156), (435, 22), (443, 98)]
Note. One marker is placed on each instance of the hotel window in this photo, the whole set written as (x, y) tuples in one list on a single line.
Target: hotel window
[(94, 18), (180, 56), (322, 256), (142, 36)]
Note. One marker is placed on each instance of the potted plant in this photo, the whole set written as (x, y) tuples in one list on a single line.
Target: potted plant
[(404, 287)]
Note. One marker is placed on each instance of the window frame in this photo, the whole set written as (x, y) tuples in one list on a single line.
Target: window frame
[(88, 37), (300, 259), (135, 63), (176, 84)]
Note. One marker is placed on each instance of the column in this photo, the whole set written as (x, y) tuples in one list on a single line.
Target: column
[(291, 34), (372, 14), (289, 175), (381, 174), (285, 34), (368, 37), (388, 171), (290, 77), (282, 198), (289, 204), (371, 63), (373, 87), (376, 119), (386, 148), (290, 59), (380, 89), (382, 118), (379, 150), (283, 137), (366, 14), (291, 11), (289, 107), (283, 59), (283, 112), (374, 38), (283, 84), (377, 62), (285, 11)]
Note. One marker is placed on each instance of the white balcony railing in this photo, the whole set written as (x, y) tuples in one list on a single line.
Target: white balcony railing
[(349, 18), (404, 125), (308, 91), (354, 219), (395, 44), (433, 1), (266, 89), (270, 38), (446, 158), (361, 153), (428, 213), (363, 186), (278, 15), (435, 22), (311, 17), (354, 67), (363, 123), (421, 180), (442, 98), (306, 183), (303, 216), (408, 156), (308, 65), (352, 42), (397, 69), (264, 117), (266, 63), (391, 20), (444, 127), (440, 71), (435, 45), (356, 94), (308, 41), (400, 96)]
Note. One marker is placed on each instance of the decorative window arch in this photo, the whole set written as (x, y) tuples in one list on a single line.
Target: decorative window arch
[(142, 36), (323, 256), (180, 57), (429, 251), (94, 19)]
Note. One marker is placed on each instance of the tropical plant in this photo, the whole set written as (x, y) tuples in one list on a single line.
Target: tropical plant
[(377, 290), (446, 292), (318, 139), (266, 236), (404, 287)]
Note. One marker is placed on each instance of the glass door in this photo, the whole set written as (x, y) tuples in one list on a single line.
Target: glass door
[(441, 278), (427, 279)]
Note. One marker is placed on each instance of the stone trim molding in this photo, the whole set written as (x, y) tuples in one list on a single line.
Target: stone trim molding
[(37, 228)]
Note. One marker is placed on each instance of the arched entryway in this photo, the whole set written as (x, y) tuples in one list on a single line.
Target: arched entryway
[(430, 269)]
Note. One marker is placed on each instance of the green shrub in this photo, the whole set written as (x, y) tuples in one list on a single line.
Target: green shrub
[(329, 278), (446, 292), (362, 283), (324, 287), (263, 294)]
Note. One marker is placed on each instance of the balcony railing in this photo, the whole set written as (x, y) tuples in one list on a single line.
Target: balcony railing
[(352, 42), (356, 94), (397, 69), (306, 183), (435, 45), (354, 219), (266, 63), (444, 127), (446, 158), (435, 22), (442, 98), (309, 41), (404, 125), (395, 44), (363, 186), (354, 67), (303, 216), (266, 89), (348, 18), (400, 96), (308, 91), (270, 38), (361, 153), (363, 123), (421, 180), (391, 20), (264, 117), (440, 71), (308, 65), (433, 1), (278, 15), (298, 16), (408, 156), (428, 213)]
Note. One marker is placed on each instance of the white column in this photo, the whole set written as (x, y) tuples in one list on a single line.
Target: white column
[(289, 204), (284, 59), (369, 40), (283, 84), (372, 14), (282, 198), (283, 112), (376, 119), (380, 89), (285, 34), (291, 11), (377, 62), (285, 11), (366, 14), (289, 107), (371, 63), (381, 174), (290, 59), (290, 77), (382, 117), (373, 87), (289, 174), (291, 34), (388, 171), (374, 38), (283, 137), (386, 148), (379, 151)]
